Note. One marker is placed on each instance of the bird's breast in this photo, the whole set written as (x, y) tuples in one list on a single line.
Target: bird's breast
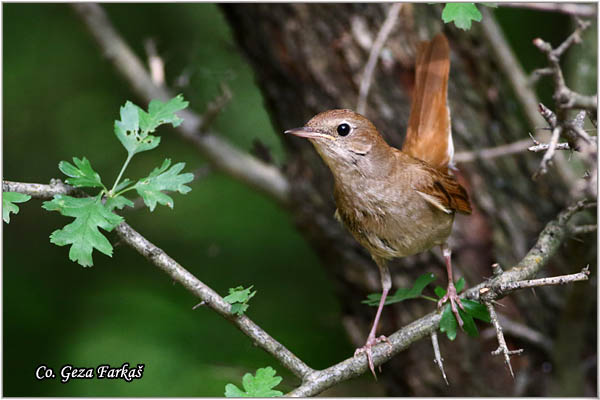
[(390, 221)]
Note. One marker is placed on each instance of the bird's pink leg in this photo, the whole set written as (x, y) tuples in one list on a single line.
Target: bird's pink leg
[(386, 282), (451, 291)]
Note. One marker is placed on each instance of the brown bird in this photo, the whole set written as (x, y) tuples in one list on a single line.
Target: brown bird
[(396, 203)]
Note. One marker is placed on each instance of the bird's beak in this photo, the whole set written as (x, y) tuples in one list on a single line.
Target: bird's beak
[(307, 132)]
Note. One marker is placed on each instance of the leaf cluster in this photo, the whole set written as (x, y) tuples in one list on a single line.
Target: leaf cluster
[(462, 14), (448, 323), (259, 385), (97, 212), (239, 297)]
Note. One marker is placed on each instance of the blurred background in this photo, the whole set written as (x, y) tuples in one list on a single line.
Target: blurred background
[(60, 100)]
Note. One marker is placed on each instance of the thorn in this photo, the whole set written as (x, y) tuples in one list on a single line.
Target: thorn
[(199, 305)]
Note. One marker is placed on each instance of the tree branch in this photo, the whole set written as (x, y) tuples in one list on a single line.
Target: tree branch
[(223, 155), (178, 273), (564, 97), (314, 382), (493, 152), (579, 10), (510, 66), (384, 32)]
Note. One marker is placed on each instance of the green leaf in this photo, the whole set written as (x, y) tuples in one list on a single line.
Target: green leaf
[(81, 174), (128, 131), (403, 293), (151, 187), (118, 202), (459, 285), (468, 323), (439, 291), (260, 385), (491, 5), (83, 234), (461, 14), (162, 113), (8, 198), (476, 310), (238, 298), (448, 323)]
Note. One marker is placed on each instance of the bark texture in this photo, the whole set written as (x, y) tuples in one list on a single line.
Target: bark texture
[(309, 58)]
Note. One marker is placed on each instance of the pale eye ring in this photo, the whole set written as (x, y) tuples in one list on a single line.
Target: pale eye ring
[(343, 129)]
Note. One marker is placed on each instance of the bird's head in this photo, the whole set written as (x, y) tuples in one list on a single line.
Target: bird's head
[(343, 138)]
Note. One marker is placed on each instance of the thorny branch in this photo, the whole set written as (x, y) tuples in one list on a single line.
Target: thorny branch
[(508, 287), (565, 100), (178, 273), (316, 381)]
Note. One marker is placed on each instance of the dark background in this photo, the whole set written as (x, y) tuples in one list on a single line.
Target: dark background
[(60, 100)]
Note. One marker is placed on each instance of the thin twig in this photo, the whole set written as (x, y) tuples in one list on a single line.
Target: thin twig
[(564, 97), (315, 382), (555, 280), (583, 229), (520, 331), (502, 347), (222, 154), (549, 154), (544, 147), (511, 68), (438, 360), (578, 10), (384, 32), (487, 154)]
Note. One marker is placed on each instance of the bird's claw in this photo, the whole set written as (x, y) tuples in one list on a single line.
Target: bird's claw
[(367, 349), (452, 296)]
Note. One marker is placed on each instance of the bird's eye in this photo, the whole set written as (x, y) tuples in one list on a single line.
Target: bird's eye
[(343, 129)]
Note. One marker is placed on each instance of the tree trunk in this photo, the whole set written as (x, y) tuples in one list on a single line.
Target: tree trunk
[(309, 58)]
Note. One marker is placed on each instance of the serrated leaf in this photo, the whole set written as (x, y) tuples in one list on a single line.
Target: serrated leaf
[(128, 131), (238, 298), (260, 385), (151, 187), (476, 310), (239, 294), (83, 234), (8, 198), (403, 293), (448, 323), (162, 113), (119, 202), (461, 14), (81, 174)]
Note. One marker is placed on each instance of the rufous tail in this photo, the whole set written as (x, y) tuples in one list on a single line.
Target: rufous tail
[(429, 135)]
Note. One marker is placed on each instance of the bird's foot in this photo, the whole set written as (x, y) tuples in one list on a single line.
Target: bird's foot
[(452, 296), (367, 349)]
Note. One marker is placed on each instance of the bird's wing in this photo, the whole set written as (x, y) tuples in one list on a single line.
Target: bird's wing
[(444, 193), (429, 135)]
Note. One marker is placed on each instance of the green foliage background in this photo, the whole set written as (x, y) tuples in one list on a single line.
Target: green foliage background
[(60, 100)]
